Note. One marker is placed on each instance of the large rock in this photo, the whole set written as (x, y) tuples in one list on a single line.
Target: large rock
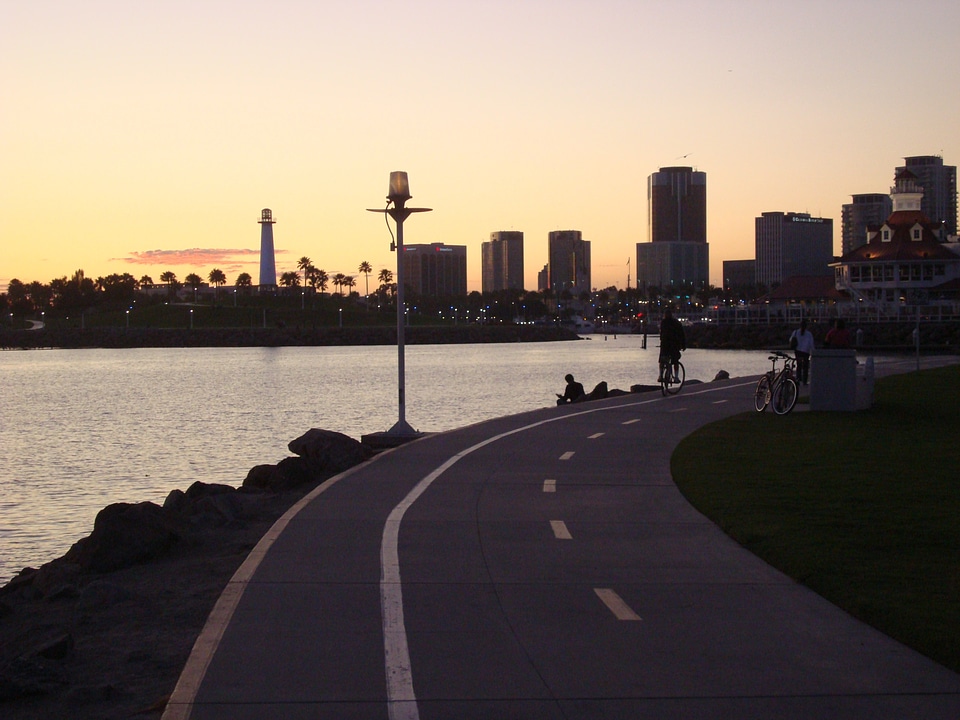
[(260, 477), (126, 534), (286, 474), (328, 453)]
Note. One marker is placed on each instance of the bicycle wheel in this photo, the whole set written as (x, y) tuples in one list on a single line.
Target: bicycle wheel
[(675, 380), (784, 396), (761, 397)]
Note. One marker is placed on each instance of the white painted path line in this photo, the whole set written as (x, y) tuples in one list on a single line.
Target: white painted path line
[(567, 455), (719, 402), (560, 531), (631, 422), (401, 699), (676, 410), (616, 605), (549, 485), (595, 436)]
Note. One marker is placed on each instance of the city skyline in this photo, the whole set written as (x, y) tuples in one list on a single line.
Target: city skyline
[(142, 138)]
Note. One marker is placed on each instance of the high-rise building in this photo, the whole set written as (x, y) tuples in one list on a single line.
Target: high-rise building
[(569, 259), (939, 183), (677, 205), (435, 270), (739, 275), (866, 210), (792, 244), (502, 261), (268, 263), (677, 252), (543, 278)]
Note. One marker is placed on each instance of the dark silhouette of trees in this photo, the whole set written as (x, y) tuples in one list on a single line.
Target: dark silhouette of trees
[(365, 269), (291, 278)]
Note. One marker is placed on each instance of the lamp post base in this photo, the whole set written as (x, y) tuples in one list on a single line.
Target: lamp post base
[(397, 435)]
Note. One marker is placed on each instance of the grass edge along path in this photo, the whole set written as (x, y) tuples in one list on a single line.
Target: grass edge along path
[(863, 508)]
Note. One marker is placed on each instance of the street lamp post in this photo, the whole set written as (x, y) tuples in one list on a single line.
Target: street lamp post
[(397, 197)]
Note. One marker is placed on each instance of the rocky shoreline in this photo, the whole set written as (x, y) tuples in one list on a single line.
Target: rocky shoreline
[(104, 631)]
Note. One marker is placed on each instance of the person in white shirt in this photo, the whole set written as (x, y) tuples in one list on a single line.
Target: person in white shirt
[(801, 340)]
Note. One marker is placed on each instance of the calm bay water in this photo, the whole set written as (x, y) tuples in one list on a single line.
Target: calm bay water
[(80, 429)]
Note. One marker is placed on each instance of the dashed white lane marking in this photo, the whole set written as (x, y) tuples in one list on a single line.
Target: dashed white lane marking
[(676, 410), (401, 699), (549, 485), (631, 422), (719, 402), (616, 605), (560, 531), (595, 436), (567, 455)]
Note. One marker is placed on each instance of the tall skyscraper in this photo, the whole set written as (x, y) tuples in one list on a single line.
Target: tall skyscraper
[(939, 183), (677, 252), (268, 263), (502, 261), (435, 270), (792, 244), (866, 210), (569, 259)]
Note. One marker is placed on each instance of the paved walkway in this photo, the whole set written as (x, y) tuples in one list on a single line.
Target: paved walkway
[(537, 566)]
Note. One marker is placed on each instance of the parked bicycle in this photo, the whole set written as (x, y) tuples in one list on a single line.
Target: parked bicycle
[(778, 388), (672, 376)]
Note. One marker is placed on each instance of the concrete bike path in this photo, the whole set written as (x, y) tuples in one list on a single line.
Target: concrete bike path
[(538, 566)]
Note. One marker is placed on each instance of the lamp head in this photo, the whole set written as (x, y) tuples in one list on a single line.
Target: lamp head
[(399, 187)]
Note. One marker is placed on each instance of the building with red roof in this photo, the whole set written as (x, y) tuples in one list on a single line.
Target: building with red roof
[(906, 260)]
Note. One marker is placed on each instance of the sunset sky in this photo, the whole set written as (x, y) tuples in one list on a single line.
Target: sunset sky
[(142, 136)]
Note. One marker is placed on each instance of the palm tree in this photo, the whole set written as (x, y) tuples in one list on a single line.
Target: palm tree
[(194, 281), (385, 278), (349, 282), (321, 279), (290, 278), (338, 281), (170, 278), (304, 264), (146, 280), (366, 270), (244, 280), (217, 278)]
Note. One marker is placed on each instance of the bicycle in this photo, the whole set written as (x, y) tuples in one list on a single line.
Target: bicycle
[(778, 389), (672, 376)]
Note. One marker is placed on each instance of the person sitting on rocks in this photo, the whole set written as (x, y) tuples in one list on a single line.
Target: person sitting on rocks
[(572, 393)]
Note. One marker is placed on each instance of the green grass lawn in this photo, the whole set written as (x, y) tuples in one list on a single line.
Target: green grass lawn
[(863, 508)]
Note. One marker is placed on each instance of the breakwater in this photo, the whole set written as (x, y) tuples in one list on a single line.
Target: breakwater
[(876, 337)]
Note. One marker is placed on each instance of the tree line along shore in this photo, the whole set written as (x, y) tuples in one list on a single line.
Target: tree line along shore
[(879, 337)]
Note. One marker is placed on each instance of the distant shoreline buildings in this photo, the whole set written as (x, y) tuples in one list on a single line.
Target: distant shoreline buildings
[(795, 245), (676, 252)]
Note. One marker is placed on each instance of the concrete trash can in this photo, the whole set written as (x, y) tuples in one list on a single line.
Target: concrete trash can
[(833, 380)]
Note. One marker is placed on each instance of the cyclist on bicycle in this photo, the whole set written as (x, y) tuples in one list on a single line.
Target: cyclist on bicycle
[(672, 342)]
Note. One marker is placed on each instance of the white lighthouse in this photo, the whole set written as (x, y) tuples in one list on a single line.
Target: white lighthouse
[(268, 264)]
